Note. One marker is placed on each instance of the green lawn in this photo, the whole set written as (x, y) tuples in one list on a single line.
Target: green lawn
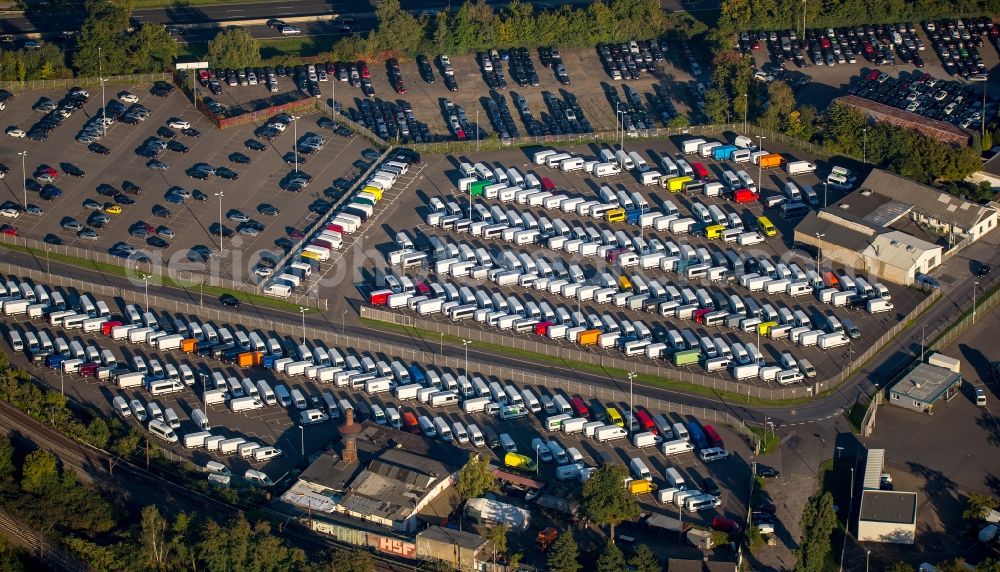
[(300, 46), (211, 291), (769, 441), (690, 388)]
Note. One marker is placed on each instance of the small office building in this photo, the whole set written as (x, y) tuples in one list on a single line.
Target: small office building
[(924, 386), (888, 516)]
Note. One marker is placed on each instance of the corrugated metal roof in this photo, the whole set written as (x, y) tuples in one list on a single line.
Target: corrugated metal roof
[(873, 469)]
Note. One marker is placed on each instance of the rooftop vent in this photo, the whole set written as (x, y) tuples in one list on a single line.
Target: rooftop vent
[(866, 193), (845, 206)]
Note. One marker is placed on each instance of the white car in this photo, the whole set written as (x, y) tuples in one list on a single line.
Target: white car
[(10, 213), (277, 125), (179, 124), (128, 97), (290, 31), (15, 132)]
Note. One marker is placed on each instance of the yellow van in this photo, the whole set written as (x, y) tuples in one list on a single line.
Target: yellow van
[(766, 227), (310, 255), (615, 418), (624, 283), (375, 191), (714, 231), (765, 327), (614, 215), (676, 184)]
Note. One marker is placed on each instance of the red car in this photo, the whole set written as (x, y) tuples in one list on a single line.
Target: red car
[(872, 75), (363, 70), (296, 234), (8, 230), (725, 524)]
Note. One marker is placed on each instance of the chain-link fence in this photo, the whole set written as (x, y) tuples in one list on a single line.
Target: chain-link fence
[(66, 83), (135, 268), (982, 306), (760, 392), (766, 136)]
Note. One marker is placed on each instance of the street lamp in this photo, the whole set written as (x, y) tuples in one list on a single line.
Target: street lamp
[(295, 140), (145, 283), (302, 444), (24, 177), (343, 318), (220, 194), (303, 312), (631, 400), (923, 341), (100, 76), (477, 130), (760, 172), (847, 522), (824, 194), (868, 557), (864, 144), (819, 251), (465, 344), (975, 286), (746, 106)]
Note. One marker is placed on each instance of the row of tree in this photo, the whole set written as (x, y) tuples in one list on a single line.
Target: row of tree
[(478, 26), (738, 15), (108, 44)]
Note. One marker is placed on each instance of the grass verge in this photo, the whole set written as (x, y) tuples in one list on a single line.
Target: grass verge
[(211, 291), (666, 383), (855, 416), (298, 46), (768, 440)]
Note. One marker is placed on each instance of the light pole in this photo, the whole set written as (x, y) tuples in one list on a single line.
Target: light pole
[(48, 269), (864, 144), (839, 449), (295, 140), (847, 522), (923, 341), (477, 130), (343, 318), (24, 177), (868, 557), (441, 345), (746, 106), (465, 344), (145, 283), (62, 385), (760, 172), (819, 251), (631, 400), (302, 444), (204, 402), (220, 194), (100, 76), (303, 312), (975, 286), (824, 194)]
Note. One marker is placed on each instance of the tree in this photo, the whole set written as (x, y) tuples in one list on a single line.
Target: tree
[(398, 31), (498, 536), (475, 478), (154, 532), (442, 35), (818, 522), (102, 42), (40, 473), (152, 49), (612, 559), (977, 506), (563, 554), (353, 560), (606, 501), (717, 106), (643, 560), (781, 103), (234, 48), (900, 567), (7, 467)]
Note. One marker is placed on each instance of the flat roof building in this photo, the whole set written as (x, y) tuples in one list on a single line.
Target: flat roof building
[(924, 386), (888, 516)]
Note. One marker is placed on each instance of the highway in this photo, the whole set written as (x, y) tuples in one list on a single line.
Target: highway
[(55, 22), (877, 372)]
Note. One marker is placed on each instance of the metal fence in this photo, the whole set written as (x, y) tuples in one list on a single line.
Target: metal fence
[(133, 267), (329, 336), (709, 130), (66, 83), (529, 344), (958, 328)]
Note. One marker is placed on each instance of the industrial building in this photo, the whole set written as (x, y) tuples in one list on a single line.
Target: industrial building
[(857, 232), (383, 477), (926, 384), (884, 515)]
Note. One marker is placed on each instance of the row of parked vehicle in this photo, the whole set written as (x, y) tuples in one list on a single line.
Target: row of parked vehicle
[(627, 60), (957, 41), (950, 101)]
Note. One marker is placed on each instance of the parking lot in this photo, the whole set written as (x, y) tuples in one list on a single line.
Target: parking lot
[(274, 425), (438, 182), (187, 227)]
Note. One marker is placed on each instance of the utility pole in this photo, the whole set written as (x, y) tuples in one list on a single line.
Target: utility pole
[(100, 75), (465, 344), (760, 172), (746, 106), (631, 399), (303, 312), (819, 251), (975, 286), (24, 177), (864, 144), (478, 139), (295, 140)]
